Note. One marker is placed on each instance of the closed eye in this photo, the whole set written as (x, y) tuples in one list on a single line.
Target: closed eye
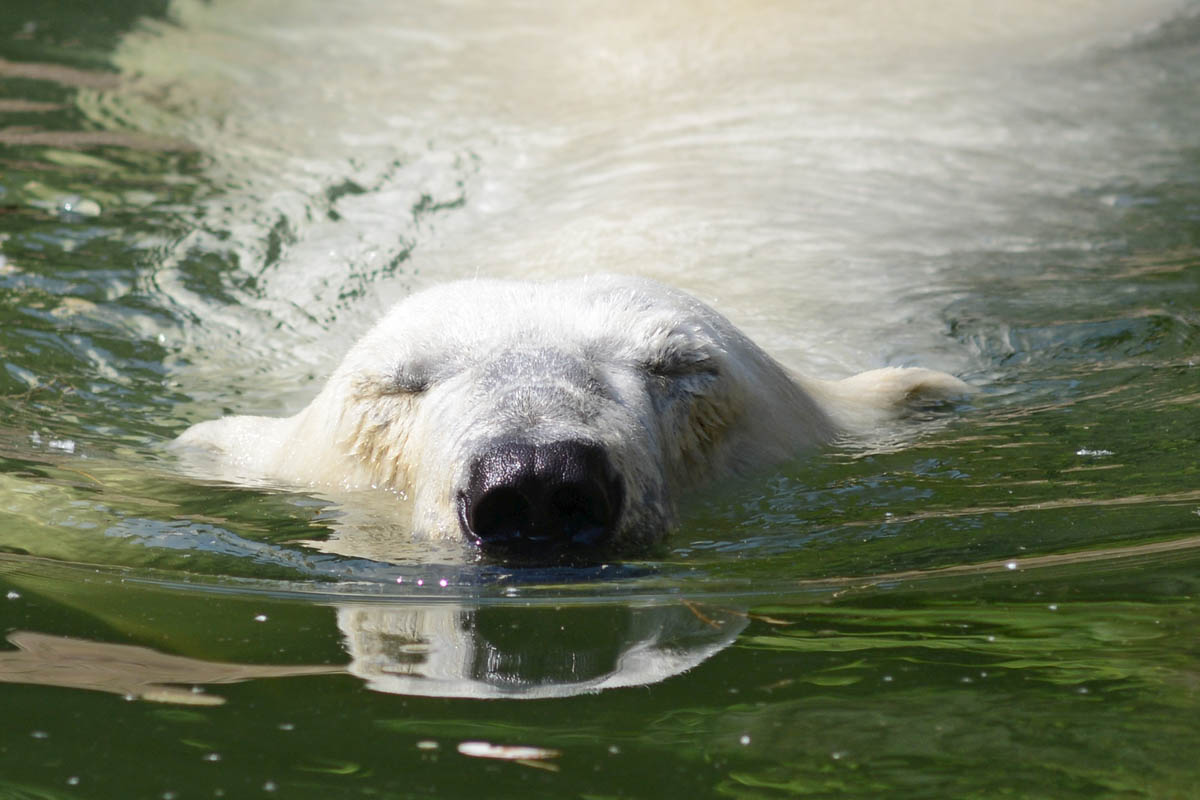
[(407, 380), (681, 366)]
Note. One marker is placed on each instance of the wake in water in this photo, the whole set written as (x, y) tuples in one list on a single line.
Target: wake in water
[(819, 173)]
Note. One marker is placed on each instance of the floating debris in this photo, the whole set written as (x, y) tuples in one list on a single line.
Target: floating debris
[(505, 752)]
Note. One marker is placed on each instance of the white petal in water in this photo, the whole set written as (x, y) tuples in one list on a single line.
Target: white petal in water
[(505, 752)]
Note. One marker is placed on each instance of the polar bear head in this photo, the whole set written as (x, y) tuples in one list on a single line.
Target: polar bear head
[(537, 419), (551, 420)]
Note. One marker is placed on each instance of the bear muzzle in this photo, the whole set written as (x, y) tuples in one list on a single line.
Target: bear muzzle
[(553, 501)]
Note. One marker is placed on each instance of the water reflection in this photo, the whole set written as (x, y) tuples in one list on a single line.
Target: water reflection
[(134, 672), (447, 650), (529, 652)]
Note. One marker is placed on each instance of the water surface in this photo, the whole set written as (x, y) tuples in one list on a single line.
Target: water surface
[(202, 204)]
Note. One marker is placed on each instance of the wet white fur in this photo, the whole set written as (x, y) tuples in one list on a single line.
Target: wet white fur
[(672, 391)]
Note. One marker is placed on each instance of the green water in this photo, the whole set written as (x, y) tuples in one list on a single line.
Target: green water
[(1003, 606)]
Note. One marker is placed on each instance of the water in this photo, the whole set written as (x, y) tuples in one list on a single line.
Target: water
[(202, 204)]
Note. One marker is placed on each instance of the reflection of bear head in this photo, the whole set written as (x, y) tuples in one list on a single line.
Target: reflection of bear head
[(539, 417), (529, 650)]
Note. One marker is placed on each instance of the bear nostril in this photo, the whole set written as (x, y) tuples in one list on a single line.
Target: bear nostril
[(539, 500), (502, 513), (582, 511)]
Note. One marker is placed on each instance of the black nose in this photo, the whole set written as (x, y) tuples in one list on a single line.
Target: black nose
[(539, 500)]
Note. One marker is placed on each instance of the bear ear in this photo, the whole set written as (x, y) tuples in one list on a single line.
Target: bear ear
[(862, 401)]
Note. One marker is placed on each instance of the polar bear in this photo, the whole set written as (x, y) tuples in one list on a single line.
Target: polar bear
[(549, 420)]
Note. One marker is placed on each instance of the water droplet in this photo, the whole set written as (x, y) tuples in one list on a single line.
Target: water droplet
[(74, 205)]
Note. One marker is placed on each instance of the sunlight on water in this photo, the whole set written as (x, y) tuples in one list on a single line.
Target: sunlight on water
[(489, 142)]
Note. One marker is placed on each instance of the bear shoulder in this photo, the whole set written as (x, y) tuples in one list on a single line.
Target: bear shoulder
[(858, 403)]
